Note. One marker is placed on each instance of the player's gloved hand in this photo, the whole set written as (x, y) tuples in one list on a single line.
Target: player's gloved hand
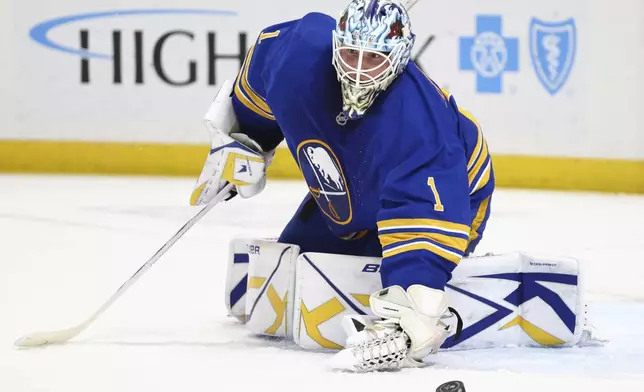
[(416, 323), (233, 156)]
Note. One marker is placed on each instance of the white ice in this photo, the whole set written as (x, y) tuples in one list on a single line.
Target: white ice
[(67, 243)]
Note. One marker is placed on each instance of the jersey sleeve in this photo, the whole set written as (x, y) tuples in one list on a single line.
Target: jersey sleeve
[(423, 221), (480, 175), (250, 102)]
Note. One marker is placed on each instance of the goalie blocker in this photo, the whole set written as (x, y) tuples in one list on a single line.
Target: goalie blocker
[(505, 300)]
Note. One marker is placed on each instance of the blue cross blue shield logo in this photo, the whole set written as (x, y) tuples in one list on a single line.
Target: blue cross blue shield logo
[(489, 54), (552, 48)]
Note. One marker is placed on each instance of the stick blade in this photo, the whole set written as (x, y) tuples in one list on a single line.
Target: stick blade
[(43, 338)]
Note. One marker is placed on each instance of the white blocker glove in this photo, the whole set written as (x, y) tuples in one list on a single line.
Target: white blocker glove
[(415, 324), (233, 158)]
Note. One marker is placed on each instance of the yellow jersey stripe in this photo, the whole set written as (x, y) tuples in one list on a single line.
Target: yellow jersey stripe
[(479, 163), (246, 102), (423, 245), (256, 98), (478, 219), (479, 140), (264, 36), (421, 223), (485, 178), (452, 242)]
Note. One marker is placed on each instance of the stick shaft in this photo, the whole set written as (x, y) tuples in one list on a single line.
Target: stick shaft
[(148, 264), (408, 4)]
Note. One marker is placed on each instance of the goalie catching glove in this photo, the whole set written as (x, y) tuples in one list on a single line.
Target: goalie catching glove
[(416, 323), (233, 158)]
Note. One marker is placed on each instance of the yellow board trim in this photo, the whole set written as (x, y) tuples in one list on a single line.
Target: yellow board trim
[(510, 171), (537, 334)]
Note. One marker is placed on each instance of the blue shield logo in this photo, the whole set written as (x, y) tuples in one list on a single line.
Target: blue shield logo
[(552, 48)]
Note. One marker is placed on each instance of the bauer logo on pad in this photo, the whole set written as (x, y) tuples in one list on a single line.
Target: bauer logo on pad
[(323, 173)]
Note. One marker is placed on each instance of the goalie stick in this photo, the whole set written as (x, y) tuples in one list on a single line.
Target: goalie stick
[(62, 336), (408, 4)]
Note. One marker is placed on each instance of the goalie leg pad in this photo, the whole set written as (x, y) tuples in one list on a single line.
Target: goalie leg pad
[(237, 277), (329, 287), (269, 295), (512, 299), (517, 299), (505, 300)]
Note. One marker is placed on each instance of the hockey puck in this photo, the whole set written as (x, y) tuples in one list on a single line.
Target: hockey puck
[(451, 386)]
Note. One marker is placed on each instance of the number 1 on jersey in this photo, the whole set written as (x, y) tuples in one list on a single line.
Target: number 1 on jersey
[(438, 206)]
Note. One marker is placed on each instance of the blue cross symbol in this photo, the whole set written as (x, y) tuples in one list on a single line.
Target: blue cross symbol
[(489, 54)]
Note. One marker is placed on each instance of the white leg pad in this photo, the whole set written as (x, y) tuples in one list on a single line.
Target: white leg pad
[(505, 300), (517, 299), (511, 299), (269, 296), (329, 287), (236, 277)]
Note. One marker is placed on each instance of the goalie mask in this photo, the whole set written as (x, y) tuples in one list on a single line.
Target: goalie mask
[(372, 44)]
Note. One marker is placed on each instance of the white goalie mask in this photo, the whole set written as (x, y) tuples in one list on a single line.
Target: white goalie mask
[(372, 45)]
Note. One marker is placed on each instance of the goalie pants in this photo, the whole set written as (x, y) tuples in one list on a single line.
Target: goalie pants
[(309, 230)]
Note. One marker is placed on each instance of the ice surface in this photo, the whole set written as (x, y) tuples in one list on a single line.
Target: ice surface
[(67, 243)]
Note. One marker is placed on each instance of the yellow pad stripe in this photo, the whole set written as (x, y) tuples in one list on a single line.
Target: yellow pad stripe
[(420, 223), (363, 299), (317, 316), (255, 282), (279, 306), (537, 334)]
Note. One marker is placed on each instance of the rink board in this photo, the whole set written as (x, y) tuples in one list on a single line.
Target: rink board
[(608, 175), (111, 88)]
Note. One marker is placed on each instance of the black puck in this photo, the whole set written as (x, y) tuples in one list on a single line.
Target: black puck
[(451, 386)]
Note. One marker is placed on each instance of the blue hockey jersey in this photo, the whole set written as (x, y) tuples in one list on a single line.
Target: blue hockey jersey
[(416, 168)]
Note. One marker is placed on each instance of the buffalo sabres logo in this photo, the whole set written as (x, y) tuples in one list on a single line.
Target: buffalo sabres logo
[(323, 173), (552, 47)]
